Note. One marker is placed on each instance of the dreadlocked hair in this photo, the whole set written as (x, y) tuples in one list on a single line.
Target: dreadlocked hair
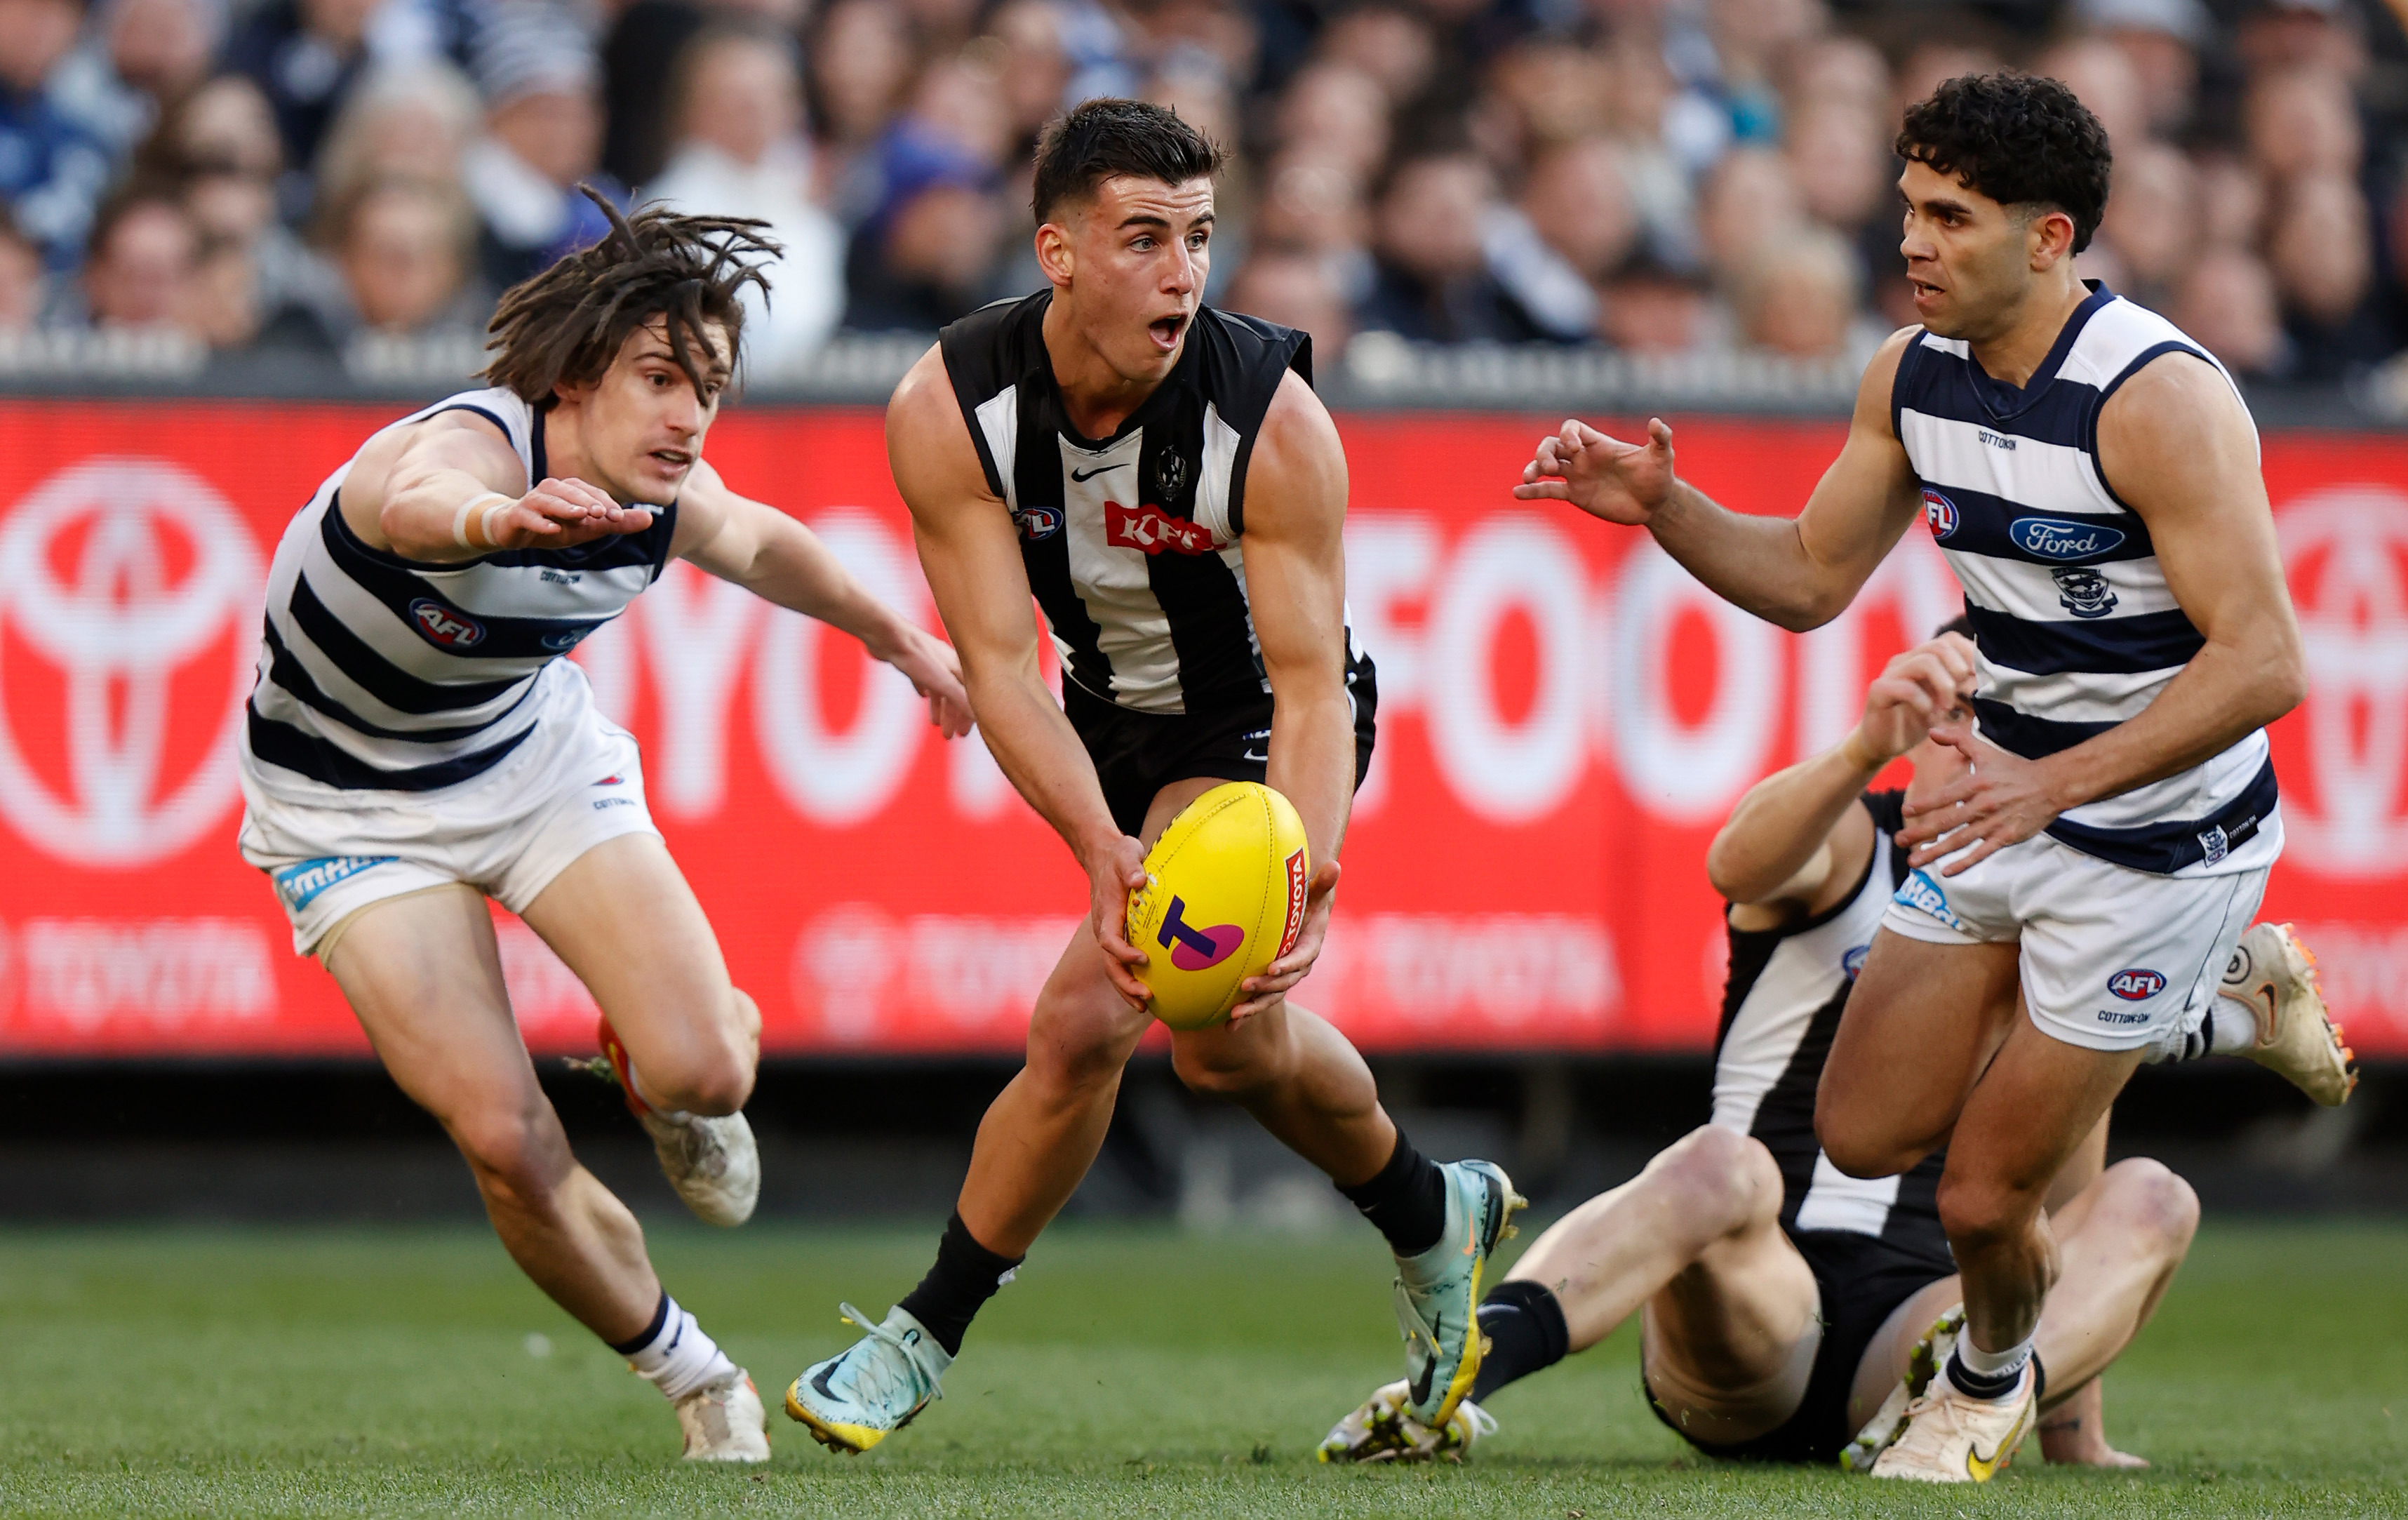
[(566, 325)]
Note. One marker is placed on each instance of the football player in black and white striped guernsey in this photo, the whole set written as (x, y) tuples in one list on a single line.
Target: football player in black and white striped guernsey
[(1789, 1307), (1161, 478), (2092, 477), (418, 741)]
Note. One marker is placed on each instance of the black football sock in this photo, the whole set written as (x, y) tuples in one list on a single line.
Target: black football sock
[(1526, 1333), (1407, 1200), (1989, 1386), (965, 1276)]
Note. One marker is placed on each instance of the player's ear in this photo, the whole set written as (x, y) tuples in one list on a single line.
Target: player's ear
[(2051, 238), (1053, 253)]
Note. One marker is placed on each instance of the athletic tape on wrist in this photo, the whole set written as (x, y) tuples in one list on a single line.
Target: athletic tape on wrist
[(489, 501)]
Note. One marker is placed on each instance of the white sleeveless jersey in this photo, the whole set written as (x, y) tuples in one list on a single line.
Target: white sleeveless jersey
[(2076, 629), (382, 674)]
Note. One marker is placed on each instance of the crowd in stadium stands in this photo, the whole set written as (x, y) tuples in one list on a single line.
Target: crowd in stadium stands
[(1662, 176)]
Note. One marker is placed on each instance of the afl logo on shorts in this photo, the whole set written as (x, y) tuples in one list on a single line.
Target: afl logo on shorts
[(2136, 986), (443, 628), (1939, 513), (1039, 523)]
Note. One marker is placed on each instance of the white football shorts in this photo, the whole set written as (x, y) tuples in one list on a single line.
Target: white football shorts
[(506, 832), (2113, 958)]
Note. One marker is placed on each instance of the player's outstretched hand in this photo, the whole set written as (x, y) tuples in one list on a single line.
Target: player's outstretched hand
[(1285, 972), (1925, 686), (935, 673), (1620, 482), (1112, 873), (557, 514), (2003, 799)]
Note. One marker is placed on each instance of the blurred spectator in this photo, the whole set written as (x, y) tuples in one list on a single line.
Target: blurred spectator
[(1391, 43), (52, 167), (224, 309), (410, 123), (1433, 282), (1797, 297), (217, 149), (1577, 199), (1839, 70), (1839, 159), (403, 248), (861, 60), (2153, 221), (543, 135), (1031, 69), (638, 56), (1317, 209), (2231, 202), (929, 251), (2323, 263), (141, 55), (2227, 302), (2161, 39), (305, 55), (740, 149), (1338, 116), (1294, 291), (1653, 309), (141, 270), (2303, 121), (22, 282), (1752, 198), (2102, 77)]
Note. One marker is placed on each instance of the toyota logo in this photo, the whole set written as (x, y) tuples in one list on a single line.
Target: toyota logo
[(2346, 554), (115, 576)]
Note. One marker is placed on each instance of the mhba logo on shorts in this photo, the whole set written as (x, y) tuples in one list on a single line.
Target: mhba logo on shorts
[(136, 588), (1939, 513), (2136, 984)]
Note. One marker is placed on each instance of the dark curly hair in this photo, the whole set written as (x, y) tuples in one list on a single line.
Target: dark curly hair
[(1106, 137), (564, 325), (2020, 140)]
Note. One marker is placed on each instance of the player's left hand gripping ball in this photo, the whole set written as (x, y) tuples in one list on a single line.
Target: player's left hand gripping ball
[(1225, 896)]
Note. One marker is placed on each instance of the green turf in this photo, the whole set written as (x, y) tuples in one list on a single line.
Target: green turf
[(171, 1371)]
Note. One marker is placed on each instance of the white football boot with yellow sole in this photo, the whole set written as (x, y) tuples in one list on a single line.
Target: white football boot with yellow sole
[(1951, 1437), (2274, 975), (723, 1421), (1384, 1429)]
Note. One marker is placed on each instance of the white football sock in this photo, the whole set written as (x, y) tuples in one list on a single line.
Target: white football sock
[(674, 1355), (2233, 1026), (1991, 1367)]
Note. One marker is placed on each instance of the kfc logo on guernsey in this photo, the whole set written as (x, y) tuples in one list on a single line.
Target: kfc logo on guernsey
[(1939, 513), (1152, 531)]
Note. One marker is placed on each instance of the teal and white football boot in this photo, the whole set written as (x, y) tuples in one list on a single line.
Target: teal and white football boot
[(857, 1400), (1438, 1292)]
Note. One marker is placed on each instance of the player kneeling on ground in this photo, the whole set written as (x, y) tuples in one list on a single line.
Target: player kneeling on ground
[(1793, 1313), (417, 743)]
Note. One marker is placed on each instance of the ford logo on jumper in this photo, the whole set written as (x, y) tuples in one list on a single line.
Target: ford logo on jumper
[(2053, 538)]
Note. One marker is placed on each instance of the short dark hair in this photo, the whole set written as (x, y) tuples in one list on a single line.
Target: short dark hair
[(1102, 138), (564, 325), (2020, 140)]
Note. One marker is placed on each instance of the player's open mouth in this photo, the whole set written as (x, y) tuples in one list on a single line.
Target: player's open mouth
[(1165, 330), (674, 458)]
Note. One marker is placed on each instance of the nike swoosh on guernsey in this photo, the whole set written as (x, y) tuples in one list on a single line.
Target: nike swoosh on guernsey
[(1100, 469)]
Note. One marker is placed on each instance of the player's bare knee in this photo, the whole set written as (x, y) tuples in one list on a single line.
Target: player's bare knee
[(516, 1150), (1723, 1180), (708, 1073), (1220, 1068), (2155, 1204), (1981, 1212)]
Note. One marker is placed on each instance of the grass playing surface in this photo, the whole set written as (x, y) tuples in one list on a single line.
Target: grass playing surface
[(175, 1371)]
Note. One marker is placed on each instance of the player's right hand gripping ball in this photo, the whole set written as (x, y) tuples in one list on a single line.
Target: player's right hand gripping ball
[(1223, 897)]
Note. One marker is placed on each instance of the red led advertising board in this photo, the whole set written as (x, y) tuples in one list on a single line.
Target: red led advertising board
[(1565, 717)]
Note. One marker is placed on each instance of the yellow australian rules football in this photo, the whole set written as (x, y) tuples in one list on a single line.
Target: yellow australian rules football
[(1223, 897)]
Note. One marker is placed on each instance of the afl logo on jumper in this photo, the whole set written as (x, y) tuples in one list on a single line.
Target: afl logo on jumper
[(1939, 512), (1037, 522), (2049, 537), (2136, 986), (442, 628)]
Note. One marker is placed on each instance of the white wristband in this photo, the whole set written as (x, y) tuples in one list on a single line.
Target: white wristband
[(489, 500)]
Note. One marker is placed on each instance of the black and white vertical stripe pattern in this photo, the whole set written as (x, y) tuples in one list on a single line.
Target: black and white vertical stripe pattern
[(1780, 1009), (2076, 627), (1131, 542), (379, 673)]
